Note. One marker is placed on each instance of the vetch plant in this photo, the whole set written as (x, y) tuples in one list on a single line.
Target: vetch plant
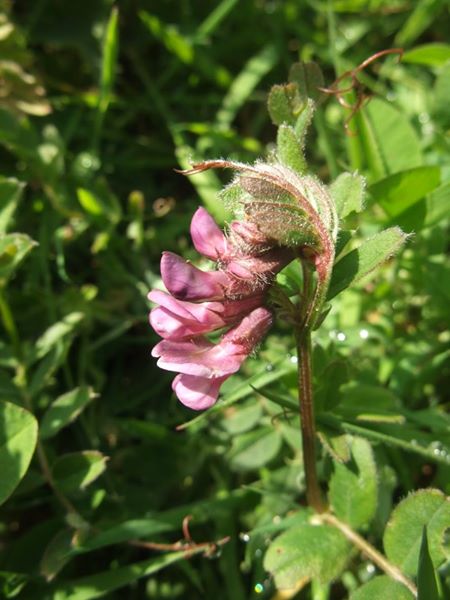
[(286, 215)]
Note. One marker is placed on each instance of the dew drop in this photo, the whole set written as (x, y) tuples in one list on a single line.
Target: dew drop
[(244, 537), (341, 336), (269, 367), (363, 334), (259, 588), (293, 360), (276, 519)]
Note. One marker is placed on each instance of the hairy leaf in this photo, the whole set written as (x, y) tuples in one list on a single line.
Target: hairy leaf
[(306, 552), (403, 534)]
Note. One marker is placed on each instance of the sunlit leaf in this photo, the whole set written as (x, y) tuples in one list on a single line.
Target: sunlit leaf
[(75, 471), (306, 551), (365, 259), (403, 535), (353, 486), (427, 587), (64, 410), (10, 193), (18, 436), (382, 586), (14, 247)]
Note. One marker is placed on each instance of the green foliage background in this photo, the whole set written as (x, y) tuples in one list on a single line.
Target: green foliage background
[(87, 173)]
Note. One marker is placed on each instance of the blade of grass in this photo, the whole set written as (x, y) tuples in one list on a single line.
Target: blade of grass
[(213, 20), (241, 88), (108, 74)]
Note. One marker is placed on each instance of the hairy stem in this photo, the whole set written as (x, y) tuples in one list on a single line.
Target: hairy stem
[(313, 491), (372, 553)]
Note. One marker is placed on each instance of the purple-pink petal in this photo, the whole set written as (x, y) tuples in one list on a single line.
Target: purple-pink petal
[(200, 357), (250, 330), (186, 282), (197, 393), (207, 237), (177, 319)]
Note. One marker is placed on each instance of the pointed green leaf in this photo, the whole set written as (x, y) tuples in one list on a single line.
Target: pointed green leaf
[(403, 534), (382, 587), (100, 204), (347, 192), (56, 332), (109, 60), (64, 410), (10, 193), (400, 191), (394, 137), (434, 54), (427, 587), (306, 551), (105, 582), (438, 205), (441, 95), (75, 471), (423, 13), (366, 258), (353, 486), (289, 150), (243, 85), (18, 436), (14, 247), (57, 554)]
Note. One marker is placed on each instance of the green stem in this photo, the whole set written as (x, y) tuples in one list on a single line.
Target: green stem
[(308, 429), (10, 326), (372, 553)]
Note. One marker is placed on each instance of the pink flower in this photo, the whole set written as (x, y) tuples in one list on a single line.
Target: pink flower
[(207, 237), (204, 366), (201, 302), (176, 319)]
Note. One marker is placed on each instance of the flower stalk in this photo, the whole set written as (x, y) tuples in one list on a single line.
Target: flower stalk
[(308, 428)]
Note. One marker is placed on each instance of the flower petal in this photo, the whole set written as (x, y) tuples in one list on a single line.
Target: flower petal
[(186, 282), (177, 319), (207, 237), (250, 330), (197, 393), (200, 357)]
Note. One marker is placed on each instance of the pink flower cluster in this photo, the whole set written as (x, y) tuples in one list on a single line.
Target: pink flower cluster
[(200, 302)]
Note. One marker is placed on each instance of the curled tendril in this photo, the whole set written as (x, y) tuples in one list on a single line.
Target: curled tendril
[(355, 86), (187, 544)]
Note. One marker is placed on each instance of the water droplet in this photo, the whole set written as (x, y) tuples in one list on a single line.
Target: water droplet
[(293, 360), (370, 568), (363, 334), (276, 519), (259, 588), (244, 537), (341, 336), (269, 367), (258, 553)]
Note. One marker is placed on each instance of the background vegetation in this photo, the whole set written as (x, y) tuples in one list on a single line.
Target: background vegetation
[(98, 105)]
